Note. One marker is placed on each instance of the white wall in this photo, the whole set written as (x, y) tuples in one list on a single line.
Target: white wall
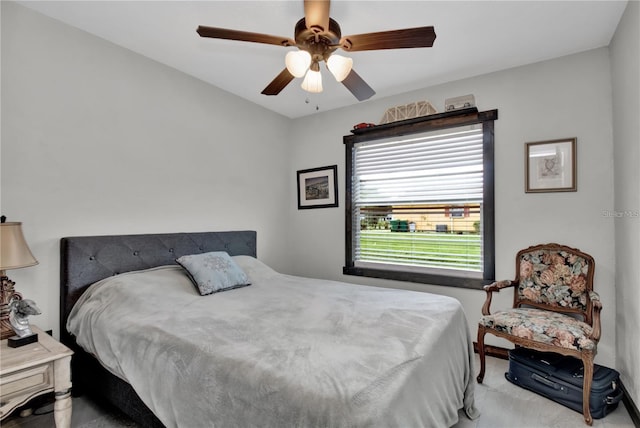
[(566, 97), (625, 66), (99, 140)]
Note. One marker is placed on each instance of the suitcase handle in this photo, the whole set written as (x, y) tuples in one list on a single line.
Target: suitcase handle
[(613, 399), (546, 382)]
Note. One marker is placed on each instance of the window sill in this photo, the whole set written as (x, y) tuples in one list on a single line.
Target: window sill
[(423, 278)]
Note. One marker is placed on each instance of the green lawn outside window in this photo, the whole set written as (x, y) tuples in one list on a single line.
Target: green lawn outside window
[(428, 249)]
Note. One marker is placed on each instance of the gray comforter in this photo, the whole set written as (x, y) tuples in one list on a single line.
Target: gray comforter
[(284, 352)]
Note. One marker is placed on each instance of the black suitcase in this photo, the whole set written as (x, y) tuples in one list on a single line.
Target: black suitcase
[(560, 379)]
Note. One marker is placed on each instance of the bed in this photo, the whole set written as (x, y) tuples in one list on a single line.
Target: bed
[(282, 351)]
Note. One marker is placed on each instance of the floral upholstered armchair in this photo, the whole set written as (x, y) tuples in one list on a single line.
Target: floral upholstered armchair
[(554, 308)]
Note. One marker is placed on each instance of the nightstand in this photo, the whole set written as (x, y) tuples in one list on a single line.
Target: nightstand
[(36, 369)]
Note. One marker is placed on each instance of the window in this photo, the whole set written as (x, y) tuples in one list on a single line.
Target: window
[(420, 200)]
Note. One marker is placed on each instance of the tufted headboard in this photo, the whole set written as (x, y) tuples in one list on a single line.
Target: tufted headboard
[(87, 259)]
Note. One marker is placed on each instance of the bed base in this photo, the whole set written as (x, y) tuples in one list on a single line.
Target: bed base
[(93, 380)]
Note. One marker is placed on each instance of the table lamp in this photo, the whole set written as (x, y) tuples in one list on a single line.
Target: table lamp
[(14, 254)]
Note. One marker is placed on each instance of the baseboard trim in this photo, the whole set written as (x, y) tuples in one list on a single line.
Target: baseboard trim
[(503, 353), (631, 406)]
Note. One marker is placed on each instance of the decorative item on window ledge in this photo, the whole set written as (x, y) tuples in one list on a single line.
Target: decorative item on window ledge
[(14, 254), (408, 111), (318, 187), (551, 166), (459, 103)]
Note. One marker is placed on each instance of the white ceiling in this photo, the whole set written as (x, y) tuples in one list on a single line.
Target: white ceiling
[(473, 37)]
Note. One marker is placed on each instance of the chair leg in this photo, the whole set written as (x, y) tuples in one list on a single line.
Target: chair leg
[(587, 361), (481, 333)]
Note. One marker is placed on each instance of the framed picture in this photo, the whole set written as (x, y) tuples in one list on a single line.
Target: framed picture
[(551, 166), (318, 187)]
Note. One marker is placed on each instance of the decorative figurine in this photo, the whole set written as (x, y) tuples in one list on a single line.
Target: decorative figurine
[(20, 310)]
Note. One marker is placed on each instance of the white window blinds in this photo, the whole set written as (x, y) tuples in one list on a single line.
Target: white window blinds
[(427, 168)]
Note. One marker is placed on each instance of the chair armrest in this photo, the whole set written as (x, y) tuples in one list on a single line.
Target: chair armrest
[(597, 307), (496, 286)]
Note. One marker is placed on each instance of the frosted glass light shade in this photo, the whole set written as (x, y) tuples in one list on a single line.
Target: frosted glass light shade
[(312, 82), (297, 62), (339, 66)]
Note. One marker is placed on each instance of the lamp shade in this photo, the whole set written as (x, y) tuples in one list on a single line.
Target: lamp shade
[(339, 66), (312, 82), (14, 251), (297, 62)]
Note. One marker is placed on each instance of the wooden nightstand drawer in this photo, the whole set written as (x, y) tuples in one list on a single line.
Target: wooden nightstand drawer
[(22, 384)]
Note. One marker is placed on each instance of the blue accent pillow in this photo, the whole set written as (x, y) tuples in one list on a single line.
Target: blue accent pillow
[(213, 272)]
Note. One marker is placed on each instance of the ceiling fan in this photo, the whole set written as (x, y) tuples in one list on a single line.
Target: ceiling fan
[(317, 37)]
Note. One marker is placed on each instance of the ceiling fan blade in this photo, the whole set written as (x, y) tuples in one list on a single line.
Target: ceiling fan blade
[(357, 86), (316, 15), (420, 37), (279, 83), (243, 36)]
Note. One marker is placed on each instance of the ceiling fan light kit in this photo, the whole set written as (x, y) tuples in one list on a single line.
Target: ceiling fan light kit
[(317, 36), (298, 62), (340, 66), (312, 82)]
